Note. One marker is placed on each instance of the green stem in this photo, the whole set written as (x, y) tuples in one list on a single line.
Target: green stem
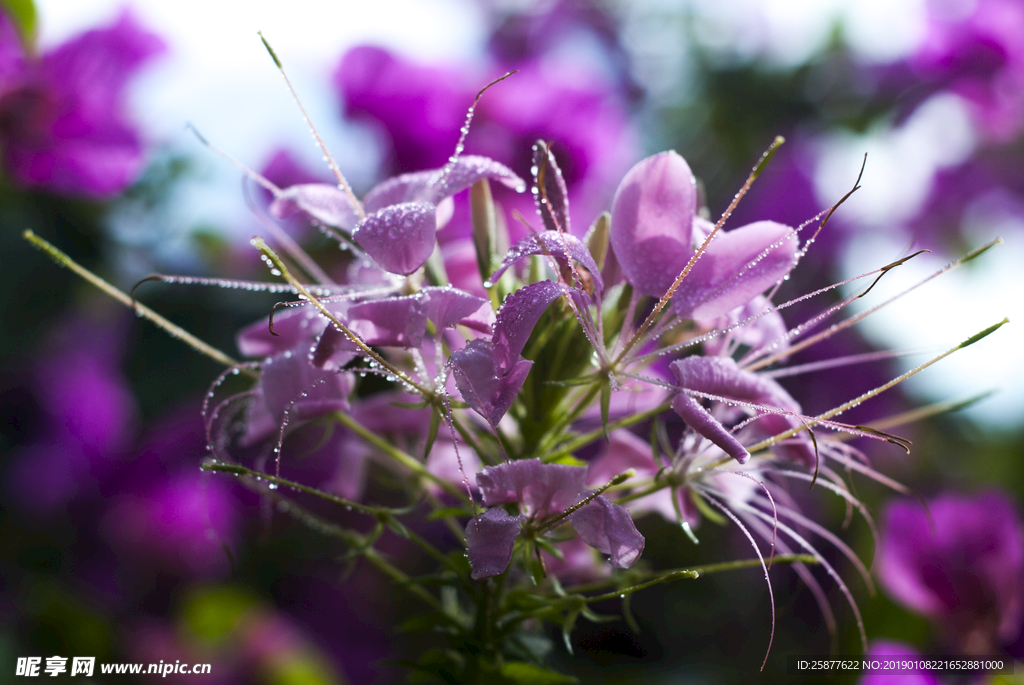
[(398, 455), (587, 438), (140, 309)]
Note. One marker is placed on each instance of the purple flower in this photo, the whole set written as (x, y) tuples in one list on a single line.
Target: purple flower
[(978, 55), (398, 219), (542, 490), (966, 573), (62, 118), (490, 373), (654, 233), (179, 523)]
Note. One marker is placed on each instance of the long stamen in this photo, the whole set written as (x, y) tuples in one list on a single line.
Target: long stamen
[(140, 309), (262, 246), (824, 335), (342, 183), (880, 389), (464, 131)]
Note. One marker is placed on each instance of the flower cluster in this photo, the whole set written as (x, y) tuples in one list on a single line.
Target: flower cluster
[(511, 409)]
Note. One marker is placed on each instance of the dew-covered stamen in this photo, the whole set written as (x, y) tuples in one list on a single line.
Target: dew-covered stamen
[(822, 532), (219, 380), (830, 485), (771, 500), (255, 176), (764, 349), (450, 422), (934, 409), (286, 418), (230, 284), (210, 417), (174, 330), (824, 335), (260, 245), (820, 598), (342, 183), (663, 302), (713, 501), (839, 362), (880, 389), (446, 170)]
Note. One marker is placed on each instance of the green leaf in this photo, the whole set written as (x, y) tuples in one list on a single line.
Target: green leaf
[(519, 673), (448, 511), (597, 239), (435, 422), (25, 17), (606, 400), (568, 460), (484, 226)]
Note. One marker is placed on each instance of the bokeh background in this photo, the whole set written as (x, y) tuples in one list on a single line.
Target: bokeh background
[(115, 545)]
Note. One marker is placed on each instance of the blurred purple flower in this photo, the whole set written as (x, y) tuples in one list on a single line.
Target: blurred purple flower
[(975, 50), (179, 524), (62, 117), (966, 574), (418, 107), (89, 414)]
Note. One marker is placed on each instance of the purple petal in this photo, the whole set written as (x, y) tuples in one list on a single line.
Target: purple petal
[(623, 451), (447, 307), (556, 245), (391, 321), (403, 188), (333, 350), (326, 203), (426, 186), (471, 168), (487, 392), (608, 528), (290, 379), (721, 376), (292, 326), (490, 539), (555, 212), (652, 216), (400, 237), (698, 418), (737, 266), (518, 315), (541, 488)]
